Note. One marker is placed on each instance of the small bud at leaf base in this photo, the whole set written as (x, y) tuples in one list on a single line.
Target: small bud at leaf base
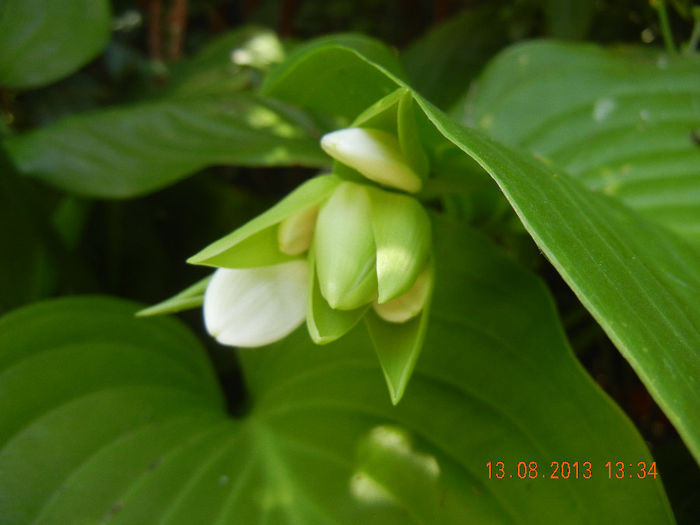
[(344, 248), (256, 306), (408, 305), (375, 153), (295, 232)]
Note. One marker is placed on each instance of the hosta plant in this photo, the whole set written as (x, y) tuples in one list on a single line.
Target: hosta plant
[(379, 342)]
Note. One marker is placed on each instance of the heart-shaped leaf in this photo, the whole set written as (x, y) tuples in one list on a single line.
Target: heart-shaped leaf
[(107, 417)]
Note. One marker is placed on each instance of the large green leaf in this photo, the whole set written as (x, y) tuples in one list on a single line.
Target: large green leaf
[(129, 151), (42, 40), (622, 124), (346, 75), (640, 281), (107, 417)]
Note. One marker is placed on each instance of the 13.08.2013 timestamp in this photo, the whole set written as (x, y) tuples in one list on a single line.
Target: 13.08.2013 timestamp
[(570, 470)]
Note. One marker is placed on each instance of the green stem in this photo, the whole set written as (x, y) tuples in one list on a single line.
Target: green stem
[(665, 27)]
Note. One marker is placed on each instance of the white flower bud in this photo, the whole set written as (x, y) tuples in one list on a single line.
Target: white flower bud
[(256, 306), (376, 154)]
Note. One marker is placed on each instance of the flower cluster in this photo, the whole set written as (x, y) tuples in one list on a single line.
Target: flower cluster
[(336, 248)]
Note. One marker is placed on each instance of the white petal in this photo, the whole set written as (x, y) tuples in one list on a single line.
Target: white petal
[(256, 306), (374, 153)]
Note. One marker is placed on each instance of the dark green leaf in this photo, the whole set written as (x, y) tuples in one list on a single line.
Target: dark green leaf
[(134, 150), (25, 268), (42, 41), (570, 20), (445, 60), (108, 417), (345, 71)]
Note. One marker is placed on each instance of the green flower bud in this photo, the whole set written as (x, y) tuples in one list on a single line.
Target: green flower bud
[(345, 249), (375, 153), (408, 305), (402, 235)]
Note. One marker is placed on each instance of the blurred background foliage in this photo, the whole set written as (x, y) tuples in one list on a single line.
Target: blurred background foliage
[(135, 248)]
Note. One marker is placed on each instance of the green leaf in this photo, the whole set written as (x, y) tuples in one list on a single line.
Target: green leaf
[(300, 79), (129, 151), (619, 122), (398, 345), (443, 61), (133, 408), (395, 114), (256, 242), (640, 281), (409, 137), (383, 114), (190, 297), (43, 41)]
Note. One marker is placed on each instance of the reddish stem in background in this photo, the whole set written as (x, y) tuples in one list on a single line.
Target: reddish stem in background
[(155, 10), (286, 23), (217, 21), (177, 22), (440, 9)]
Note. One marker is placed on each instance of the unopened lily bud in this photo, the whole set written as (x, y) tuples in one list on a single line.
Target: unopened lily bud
[(256, 306), (345, 250), (376, 154), (402, 235), (408, 305), (295, 233)]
